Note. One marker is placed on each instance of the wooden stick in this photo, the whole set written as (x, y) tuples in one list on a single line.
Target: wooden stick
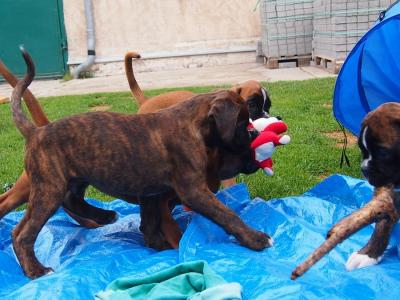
[(381, 206)]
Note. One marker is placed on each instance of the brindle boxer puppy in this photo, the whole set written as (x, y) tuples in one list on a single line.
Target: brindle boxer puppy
[(90, 216), (379, 142), (150, 159)]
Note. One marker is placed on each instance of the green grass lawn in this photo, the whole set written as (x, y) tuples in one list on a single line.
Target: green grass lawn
[(305, 106)]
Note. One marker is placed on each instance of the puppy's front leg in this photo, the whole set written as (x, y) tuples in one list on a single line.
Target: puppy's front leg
[(200, 199), (385, 208), (371, 253)]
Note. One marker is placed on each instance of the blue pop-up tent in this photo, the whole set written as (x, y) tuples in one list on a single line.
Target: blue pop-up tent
[(370, 75)]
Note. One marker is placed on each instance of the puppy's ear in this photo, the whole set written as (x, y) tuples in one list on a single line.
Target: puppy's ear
[(237, 89), (224, 112)]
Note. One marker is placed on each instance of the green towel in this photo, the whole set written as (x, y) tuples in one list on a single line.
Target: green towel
[(191, 280)]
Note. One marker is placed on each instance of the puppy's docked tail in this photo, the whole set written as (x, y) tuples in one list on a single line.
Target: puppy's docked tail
[(20, 120), (135, 89), (381, 206), (38, 116)]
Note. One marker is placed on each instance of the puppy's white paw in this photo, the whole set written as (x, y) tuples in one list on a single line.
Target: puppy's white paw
[(357, 261), (271, 241)]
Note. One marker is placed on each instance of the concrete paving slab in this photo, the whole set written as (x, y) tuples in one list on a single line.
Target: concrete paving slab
[(218, 75)]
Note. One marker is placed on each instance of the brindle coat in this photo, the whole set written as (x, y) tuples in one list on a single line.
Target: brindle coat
[(166, 232), (130, 156)]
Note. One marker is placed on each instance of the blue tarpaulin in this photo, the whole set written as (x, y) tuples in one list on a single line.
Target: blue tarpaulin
[(370, 75), (86, 260)]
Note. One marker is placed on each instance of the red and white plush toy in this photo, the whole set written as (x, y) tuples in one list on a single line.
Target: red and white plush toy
[(264, 145)]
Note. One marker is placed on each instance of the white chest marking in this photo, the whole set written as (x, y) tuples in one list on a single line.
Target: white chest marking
[(264, 95), (365, 162)]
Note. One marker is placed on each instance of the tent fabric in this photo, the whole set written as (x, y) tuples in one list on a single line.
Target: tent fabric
[(370, 76), (87, 260)]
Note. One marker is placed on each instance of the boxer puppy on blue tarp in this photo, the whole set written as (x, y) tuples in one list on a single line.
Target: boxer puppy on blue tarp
[(379, 142), (135, 158), (255, 96)]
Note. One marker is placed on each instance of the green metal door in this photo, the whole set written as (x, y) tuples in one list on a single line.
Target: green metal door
[(39, 26)]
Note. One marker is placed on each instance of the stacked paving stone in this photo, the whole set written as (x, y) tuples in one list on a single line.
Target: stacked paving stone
[(339, 24), (287, 27), (328, 29)]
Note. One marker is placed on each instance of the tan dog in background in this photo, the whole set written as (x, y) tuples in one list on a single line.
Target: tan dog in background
[(256, 97)]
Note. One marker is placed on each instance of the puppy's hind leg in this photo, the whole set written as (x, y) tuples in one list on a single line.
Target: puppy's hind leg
[(43, 203), (85, 214)]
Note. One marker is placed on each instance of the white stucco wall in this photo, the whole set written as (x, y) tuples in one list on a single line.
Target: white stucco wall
[(165, 27)]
